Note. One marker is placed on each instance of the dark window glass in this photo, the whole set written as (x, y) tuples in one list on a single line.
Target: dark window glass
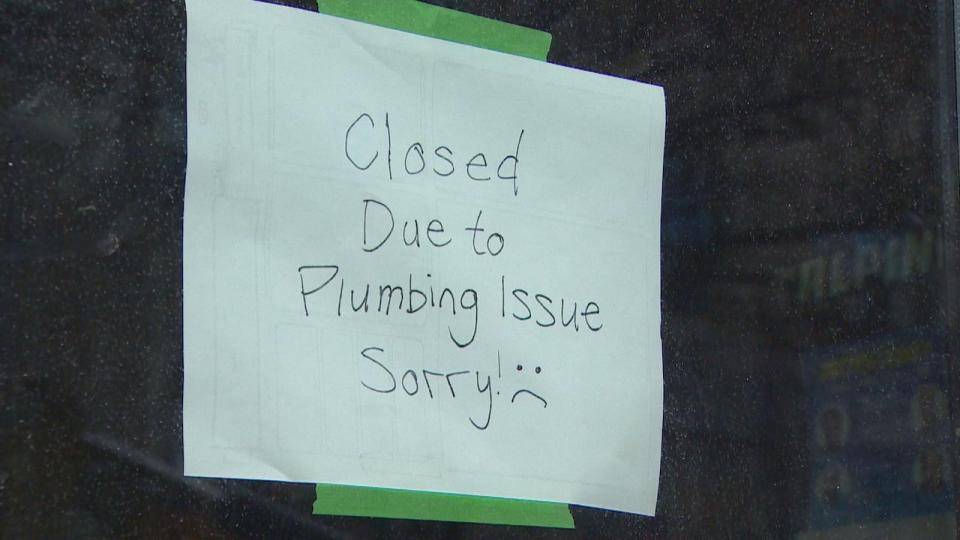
[(809, 270)]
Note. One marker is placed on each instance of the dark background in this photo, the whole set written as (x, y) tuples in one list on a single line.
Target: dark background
[(809, 216)]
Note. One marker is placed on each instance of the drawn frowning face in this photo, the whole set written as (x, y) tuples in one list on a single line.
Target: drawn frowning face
[(525, 391)]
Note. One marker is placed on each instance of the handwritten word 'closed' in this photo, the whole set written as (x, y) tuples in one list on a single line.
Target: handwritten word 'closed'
[(441, 160)]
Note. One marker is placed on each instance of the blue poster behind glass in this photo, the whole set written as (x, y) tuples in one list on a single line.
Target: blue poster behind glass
[(878, 431)]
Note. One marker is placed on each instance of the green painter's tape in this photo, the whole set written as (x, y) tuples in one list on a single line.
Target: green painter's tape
[(424, 19), (397, 503), (442, 23)]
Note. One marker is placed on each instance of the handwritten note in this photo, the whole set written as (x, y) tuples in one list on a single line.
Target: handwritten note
[(415, 264)]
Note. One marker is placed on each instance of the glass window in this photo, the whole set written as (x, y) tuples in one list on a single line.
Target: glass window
[(809, 272)]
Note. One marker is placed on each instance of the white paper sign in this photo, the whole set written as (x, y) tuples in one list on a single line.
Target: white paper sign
[(415, 264)]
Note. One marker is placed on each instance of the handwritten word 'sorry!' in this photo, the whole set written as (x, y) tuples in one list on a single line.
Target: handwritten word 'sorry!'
[(415, 264)]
